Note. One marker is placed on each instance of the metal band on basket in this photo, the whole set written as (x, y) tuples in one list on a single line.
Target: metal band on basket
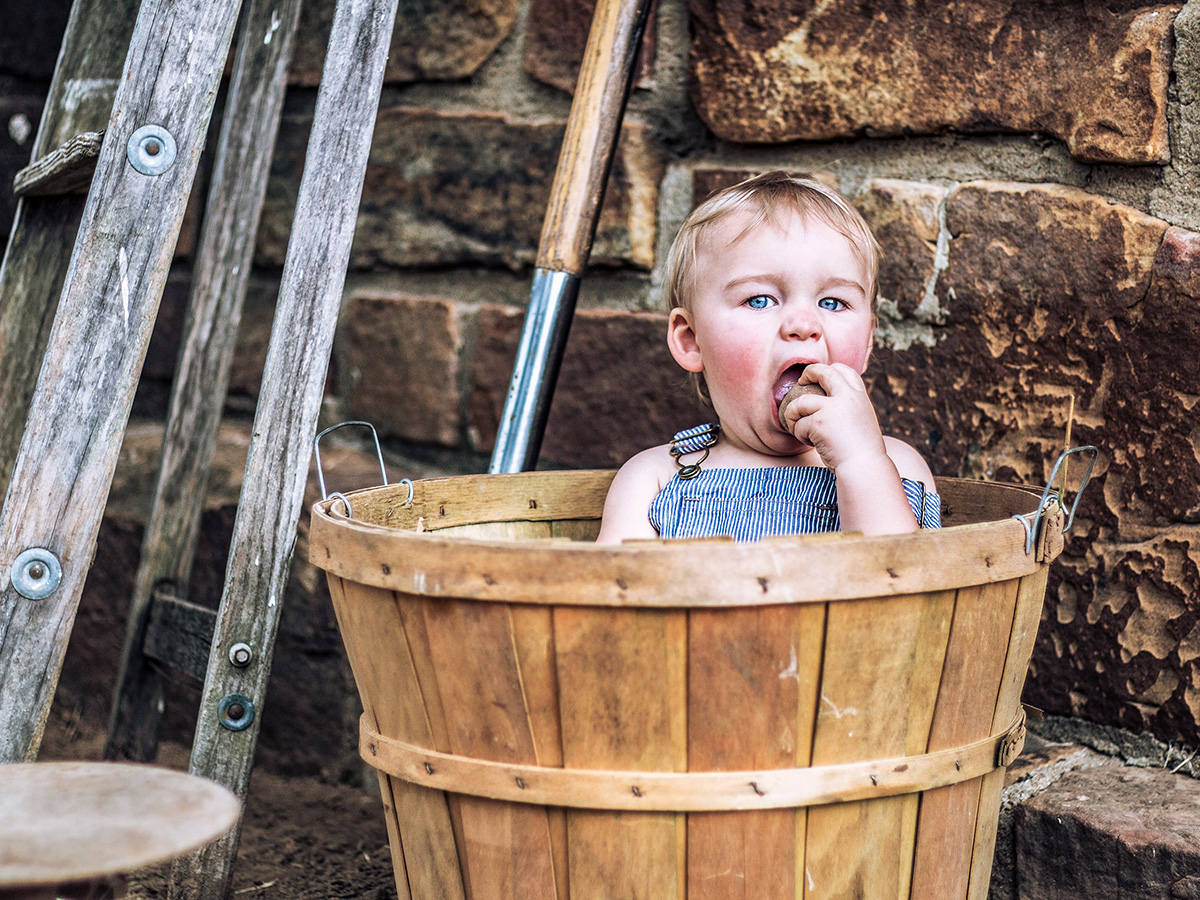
[(689, 791)]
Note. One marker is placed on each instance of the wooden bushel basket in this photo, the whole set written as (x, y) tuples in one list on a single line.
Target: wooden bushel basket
[(801, 717)]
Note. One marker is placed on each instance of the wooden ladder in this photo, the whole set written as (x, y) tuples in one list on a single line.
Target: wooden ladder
[(61, 425)]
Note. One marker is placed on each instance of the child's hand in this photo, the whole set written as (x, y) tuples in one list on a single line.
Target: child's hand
[(842, 426)]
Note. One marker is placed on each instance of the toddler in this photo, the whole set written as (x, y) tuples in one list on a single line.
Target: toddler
[(771, 283)]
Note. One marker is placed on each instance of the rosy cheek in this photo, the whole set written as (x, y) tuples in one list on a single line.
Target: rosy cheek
[(739, 361)]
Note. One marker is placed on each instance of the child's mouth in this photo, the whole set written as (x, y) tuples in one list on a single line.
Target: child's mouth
[(786, 381)]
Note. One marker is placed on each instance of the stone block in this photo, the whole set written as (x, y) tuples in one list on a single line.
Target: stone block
[(557, 34), (450, 189), (707, 180), (1093, 75), (904, 216), (1049, 293), (1038, 300), (435, 40), (619, 391), (1111, 832), (400, 366), (1041, 763)]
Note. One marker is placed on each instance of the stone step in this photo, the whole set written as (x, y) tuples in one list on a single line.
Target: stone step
[(1105, 830)]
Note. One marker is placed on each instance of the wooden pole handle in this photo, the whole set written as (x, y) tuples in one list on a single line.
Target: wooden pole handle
[(588, 145)]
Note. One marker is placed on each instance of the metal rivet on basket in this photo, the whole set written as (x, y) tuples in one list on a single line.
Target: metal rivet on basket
[(36, 573), (151, 150)]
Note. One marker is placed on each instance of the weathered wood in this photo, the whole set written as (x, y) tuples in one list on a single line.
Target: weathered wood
[(979, 639), (442, 871), (110, 298), (65, 170), (179, 634), (533, 640), (484, 688), (745, 666), (605, 76), (293, 380), (814, 569), (642, 790), (73, 821), (43, 232), (623, 700), (424, 853), (1026, 619), (790, 734), (864, 713), (252, 112)]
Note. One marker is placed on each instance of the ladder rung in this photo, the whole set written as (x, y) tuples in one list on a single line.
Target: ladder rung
[(179, 634), (67, 170)]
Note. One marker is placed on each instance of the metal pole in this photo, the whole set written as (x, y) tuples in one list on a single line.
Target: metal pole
[(601, 93)]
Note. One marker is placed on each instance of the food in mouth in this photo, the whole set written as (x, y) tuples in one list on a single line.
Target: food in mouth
[(792, 388)]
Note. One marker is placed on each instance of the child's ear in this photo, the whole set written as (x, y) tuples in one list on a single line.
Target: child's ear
[(681, 340)]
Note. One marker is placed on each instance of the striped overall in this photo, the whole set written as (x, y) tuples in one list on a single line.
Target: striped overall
[(748, 504)]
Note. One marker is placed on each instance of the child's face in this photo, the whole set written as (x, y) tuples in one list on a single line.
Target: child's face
[(775, 299)]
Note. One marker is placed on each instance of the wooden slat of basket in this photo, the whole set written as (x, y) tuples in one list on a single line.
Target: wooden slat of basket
[(623, 699), (744, 667), (533, 639), (810, 658), (966, 702), (369, 620), (865, 667), (412, 611), (395, 844), (934, 636), (1030, 594), (576, 529), (506, 845), (468, 499), (670, 574)]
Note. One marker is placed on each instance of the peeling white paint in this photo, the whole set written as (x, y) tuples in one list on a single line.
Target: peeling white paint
[(839, 712), (274, 27), (793, 668), (123, 271)]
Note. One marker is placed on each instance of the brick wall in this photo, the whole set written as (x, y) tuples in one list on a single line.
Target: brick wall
[(1030, 169)]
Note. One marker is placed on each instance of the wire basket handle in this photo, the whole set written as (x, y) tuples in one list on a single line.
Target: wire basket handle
[(378, 454), (1031, 528)]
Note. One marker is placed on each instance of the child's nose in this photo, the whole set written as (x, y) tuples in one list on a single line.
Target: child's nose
[(802, 322)]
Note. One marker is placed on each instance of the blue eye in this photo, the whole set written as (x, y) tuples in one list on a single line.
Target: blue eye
[(832, 303), (762, 301)]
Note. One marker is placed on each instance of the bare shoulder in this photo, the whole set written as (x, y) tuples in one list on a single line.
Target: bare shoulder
[(627, 507), (909, 463)]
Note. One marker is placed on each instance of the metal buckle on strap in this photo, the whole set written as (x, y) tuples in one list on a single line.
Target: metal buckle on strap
[(694, 440), (1012, 743)]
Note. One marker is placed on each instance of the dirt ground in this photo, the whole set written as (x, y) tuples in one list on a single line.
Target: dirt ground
[(302, 838)]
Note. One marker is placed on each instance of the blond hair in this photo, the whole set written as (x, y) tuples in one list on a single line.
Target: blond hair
[(766, 197)]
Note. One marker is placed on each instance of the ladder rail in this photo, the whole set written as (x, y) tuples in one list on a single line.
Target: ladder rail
[(43, 232), (233, 209), (114, 282), (310, 297)]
